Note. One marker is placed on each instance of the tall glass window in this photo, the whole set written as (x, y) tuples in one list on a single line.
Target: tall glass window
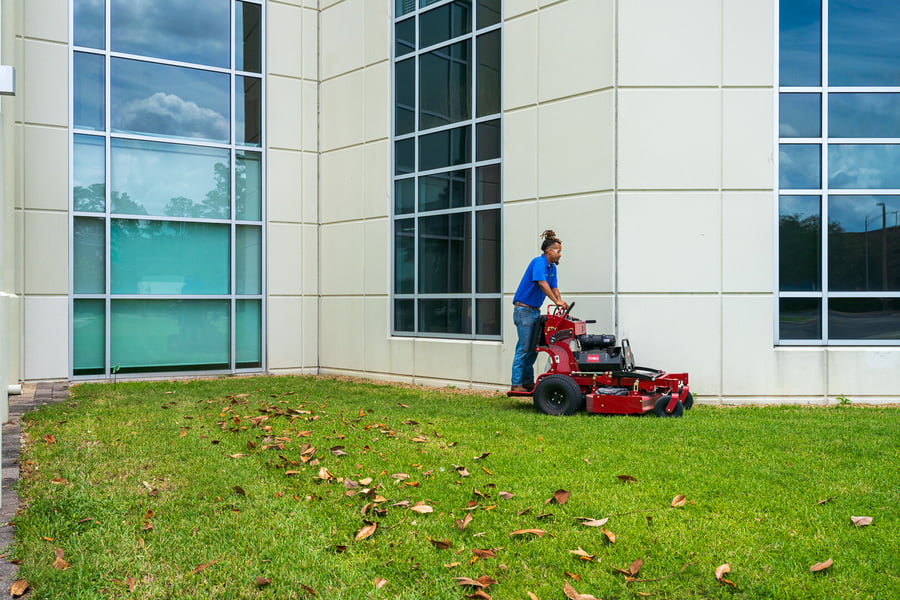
[(839, 173), (167, 199), (447, 168)]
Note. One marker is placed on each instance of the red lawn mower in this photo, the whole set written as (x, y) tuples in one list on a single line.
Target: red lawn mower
[(591, 371)]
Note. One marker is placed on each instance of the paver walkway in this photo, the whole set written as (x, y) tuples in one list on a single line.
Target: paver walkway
[(33, 396)]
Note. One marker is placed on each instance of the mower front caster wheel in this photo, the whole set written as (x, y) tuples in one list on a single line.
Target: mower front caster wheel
[(660, 407), (558, 395)]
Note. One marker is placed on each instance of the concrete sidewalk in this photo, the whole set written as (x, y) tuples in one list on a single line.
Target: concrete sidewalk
[(33, 396)]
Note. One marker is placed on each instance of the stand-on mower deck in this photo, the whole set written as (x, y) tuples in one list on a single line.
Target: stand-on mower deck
[(591, 371)]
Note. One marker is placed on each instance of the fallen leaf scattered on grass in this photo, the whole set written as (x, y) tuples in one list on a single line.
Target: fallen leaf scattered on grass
[(829, 499), (559, 497), (366, 531), (420, 439), (531, 596), (308, 589), (380, 582), (636, 566), (572, 594), (821, 566), (263, 581), (479, 595), (203, 566), (626, 478), (589, 522), (861, 521), (18, 588), (58, 481), (483, 553), (49, 439), (239, 490), (463, 472), (485, 455), (338, 451), (183, 432), (441, 544), (582, 555), (679, 500), (482, 582), (236, 455), (60, 563), (537, 532), (464, 522), (421, 508), (720, 572), (609, 535), (131, 583), (506, 495), (573, 576)]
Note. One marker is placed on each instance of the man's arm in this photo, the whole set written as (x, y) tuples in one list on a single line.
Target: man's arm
[(552, 293)]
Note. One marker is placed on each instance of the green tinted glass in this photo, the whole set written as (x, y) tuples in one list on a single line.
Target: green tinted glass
[(170, 335), (248, 186), (162, 257), (88, 335), (247, 334), (89, 256), (248, 260)]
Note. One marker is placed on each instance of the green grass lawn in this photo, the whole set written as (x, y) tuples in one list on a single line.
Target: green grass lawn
[(260, 487)]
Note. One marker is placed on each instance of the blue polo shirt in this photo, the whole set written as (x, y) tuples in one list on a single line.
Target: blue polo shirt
[(529, 292)]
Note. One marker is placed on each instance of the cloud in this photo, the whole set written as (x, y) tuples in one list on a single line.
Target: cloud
[(169, 114)]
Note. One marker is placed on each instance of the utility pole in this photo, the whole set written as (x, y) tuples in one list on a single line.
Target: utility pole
[(883, 245)]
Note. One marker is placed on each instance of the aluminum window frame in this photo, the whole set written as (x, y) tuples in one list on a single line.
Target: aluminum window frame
[(824, 142), (472, 166), (232, 222)]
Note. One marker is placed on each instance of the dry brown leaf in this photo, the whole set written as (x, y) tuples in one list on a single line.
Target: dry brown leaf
[(582, 555), (421, 508), (861, 521), (572, 594), (308, 589), (461, 581), (531, 596), (559, 496), (380, 582), (829, 499), (263, 581), (203, 566), (609, 535), (479, 494), (506, 495), (636, 566), (573, 576), (441, 544), (537, 532), (366, 531), (131, 583), (239, 490), (679, 500), (236, 455), (589, 522), (464, 522), (626, 478), (726, 568), (183, 432), (483, 553), (451, 565), (420, 439), (18, 588), (479, 594), (49, 439), (58, 481), (821, 566), (60, 564)]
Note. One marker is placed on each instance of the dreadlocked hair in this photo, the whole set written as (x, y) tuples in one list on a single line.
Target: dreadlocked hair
[(550, 238)]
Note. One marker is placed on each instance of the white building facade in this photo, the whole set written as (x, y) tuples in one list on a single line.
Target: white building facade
[(356, 186)]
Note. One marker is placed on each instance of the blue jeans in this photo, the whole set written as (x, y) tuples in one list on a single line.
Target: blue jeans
[(523, 362)]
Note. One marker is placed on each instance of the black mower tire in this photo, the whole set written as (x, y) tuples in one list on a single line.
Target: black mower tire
[(558, 395), (688, 401), (659, 409)]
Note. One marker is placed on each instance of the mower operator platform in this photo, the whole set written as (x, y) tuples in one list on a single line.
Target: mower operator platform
[(592, 372)]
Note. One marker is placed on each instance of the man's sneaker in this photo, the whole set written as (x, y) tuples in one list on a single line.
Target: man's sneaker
[(519, 388)]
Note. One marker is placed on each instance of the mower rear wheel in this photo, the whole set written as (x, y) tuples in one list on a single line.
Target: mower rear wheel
[(688, 401), (660, 407), (558, 395)]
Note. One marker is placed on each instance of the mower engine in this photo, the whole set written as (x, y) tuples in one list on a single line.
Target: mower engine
[(592, 372)]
